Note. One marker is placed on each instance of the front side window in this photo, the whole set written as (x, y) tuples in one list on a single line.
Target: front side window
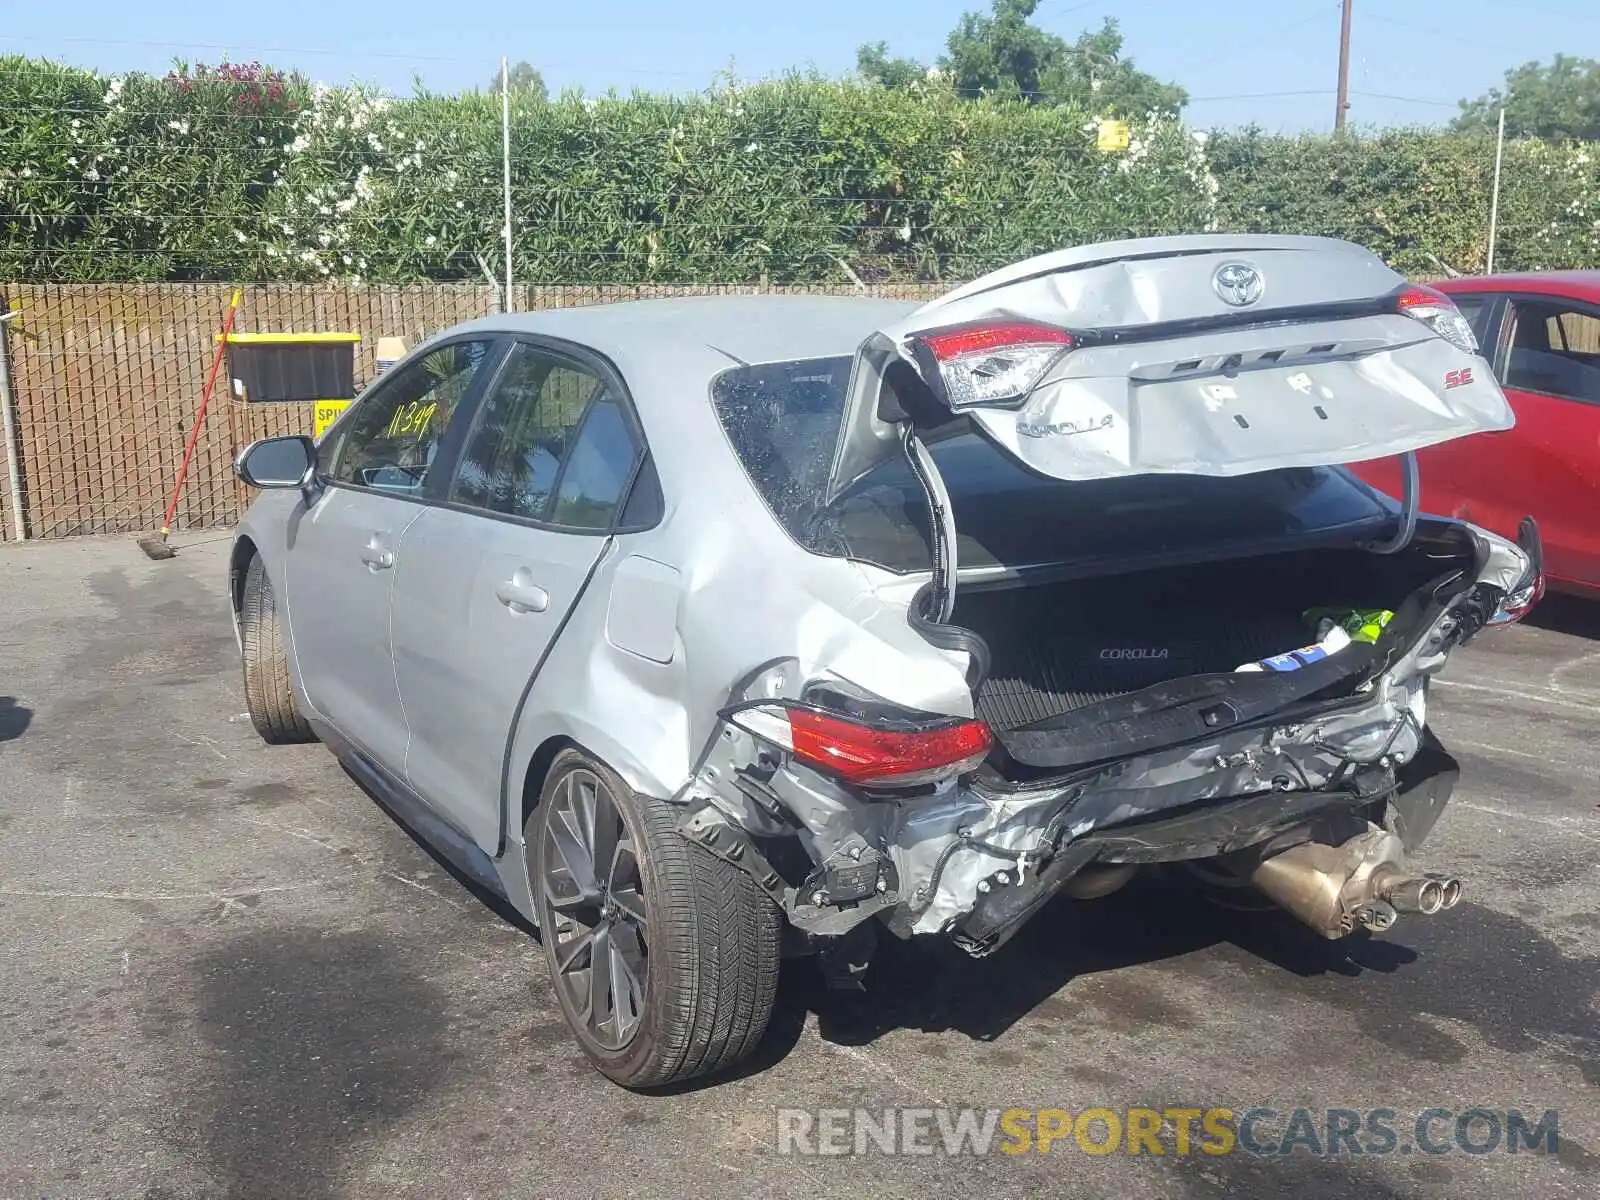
[(1555, 349), (553, 444), (392, 438)]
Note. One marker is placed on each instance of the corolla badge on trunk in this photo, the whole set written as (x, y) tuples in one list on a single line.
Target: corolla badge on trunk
[(1239, 284)]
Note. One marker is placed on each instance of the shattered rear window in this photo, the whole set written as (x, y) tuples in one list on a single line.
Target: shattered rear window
[(783, 420)]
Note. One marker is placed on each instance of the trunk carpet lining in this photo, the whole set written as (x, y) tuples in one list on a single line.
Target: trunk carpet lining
[(1060, 647), (1037, 673), (1030, 681)]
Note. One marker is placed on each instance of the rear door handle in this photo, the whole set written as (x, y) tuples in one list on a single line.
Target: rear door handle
[(520, 596)]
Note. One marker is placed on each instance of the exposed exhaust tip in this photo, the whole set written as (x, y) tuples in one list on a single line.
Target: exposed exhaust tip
[(1431, 897), (1360, 882), (1417, 894)]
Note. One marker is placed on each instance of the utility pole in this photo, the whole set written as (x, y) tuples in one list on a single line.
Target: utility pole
[(1344, 68), (507, 303), (1494, 204)]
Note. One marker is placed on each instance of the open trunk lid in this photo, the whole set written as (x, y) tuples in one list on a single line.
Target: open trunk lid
[(1207, 354)]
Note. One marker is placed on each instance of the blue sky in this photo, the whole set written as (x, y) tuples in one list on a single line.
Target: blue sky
[(1408, 67)]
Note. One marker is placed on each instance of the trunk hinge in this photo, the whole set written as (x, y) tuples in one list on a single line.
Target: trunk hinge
[(941, 525), (1410, 500)]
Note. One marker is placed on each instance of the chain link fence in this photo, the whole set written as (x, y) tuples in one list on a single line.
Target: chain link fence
[(105, 381)]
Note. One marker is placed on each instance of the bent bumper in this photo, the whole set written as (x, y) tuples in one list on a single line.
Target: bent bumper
[(1408, 800), (974, 862)]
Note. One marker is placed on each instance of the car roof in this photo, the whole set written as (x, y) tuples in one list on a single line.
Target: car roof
[(669, 350), (1581, 284), (709, 333)]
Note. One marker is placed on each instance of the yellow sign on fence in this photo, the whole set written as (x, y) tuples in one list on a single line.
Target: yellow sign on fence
[(1113, 135), (325, 413)]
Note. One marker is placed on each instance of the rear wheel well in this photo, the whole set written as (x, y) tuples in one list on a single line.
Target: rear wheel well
[(539, 769)]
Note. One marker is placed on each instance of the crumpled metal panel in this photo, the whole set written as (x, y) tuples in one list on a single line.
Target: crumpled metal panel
[(1295, 393), (947, 848)]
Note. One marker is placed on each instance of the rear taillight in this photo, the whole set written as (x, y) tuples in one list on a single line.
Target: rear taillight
[(1439, 313), (1528, 590), (993, 363), (872, 756), (1518, 603)]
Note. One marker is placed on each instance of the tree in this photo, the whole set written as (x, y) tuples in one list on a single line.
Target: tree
[(1561, 100), (1003, 52), (523, 78), (873, 63), (1093, 73)]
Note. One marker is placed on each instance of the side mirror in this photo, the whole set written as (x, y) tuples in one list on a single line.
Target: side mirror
[(279, 462)]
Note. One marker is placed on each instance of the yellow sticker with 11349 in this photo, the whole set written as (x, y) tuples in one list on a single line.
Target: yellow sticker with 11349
[(325, 413)]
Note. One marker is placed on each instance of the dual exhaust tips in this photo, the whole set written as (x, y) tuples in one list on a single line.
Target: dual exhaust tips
[(1363, 881), (1426, 894)]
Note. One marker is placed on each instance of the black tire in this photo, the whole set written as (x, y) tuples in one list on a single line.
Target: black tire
[(708, 942), (268, 693)]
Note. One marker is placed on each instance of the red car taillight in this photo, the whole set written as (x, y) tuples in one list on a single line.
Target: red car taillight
[(1439, 313), (866, 755), (993, 363)]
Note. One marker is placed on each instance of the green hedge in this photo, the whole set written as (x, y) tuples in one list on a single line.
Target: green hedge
[(243, 174)]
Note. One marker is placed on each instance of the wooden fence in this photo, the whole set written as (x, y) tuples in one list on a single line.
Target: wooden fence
[(106, 379)]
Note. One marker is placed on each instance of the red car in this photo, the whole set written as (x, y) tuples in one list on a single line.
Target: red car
[(1540, 334)]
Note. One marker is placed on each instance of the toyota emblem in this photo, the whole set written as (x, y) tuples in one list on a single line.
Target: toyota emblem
[(1239, 284)]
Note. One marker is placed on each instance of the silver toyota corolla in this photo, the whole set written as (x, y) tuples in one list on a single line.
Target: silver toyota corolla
[(699, 627)]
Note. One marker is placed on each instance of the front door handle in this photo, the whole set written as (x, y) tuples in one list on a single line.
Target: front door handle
[(520, 596), (376, 556)]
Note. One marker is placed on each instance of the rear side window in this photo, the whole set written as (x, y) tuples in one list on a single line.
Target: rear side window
[(1555, 349), (553, 444), (598, 470), (783, 421), (390, 441)]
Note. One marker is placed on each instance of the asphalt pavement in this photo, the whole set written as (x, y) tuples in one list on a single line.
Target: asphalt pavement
[(226, 971)]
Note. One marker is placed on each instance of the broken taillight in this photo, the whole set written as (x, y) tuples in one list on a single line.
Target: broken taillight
[(992, 363), (1529, 590), (868, 755), (1439, 313), (1518, 603)]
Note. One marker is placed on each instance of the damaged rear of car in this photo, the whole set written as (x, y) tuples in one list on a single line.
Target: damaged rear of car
[(1105, 489), (717, 623)]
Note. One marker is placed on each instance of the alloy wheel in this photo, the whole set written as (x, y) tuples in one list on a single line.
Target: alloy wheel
[(596, 924)]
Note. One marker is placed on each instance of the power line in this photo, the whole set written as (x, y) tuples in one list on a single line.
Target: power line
[(1406, 99), (1443, 34)]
